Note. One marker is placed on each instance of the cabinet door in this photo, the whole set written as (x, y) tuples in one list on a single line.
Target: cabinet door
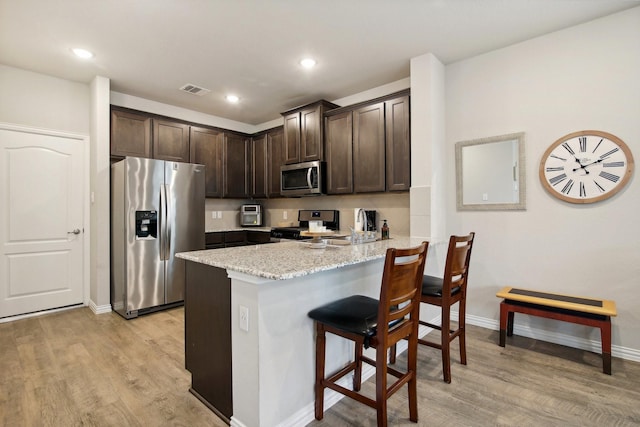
[(236, 165), (275, 156), (369, 149), (130, 134), (339, 145), (259, 163), (206, 149), (292, 138), (398, 141), (170, 141), (311, 144)]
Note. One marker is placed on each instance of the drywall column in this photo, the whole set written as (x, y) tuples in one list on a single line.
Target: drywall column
[(99, 289), (427, 206)]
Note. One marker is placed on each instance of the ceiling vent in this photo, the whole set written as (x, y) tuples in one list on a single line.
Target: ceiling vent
[(194, 90)]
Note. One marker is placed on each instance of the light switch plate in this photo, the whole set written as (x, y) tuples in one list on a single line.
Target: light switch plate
[(244, 318)]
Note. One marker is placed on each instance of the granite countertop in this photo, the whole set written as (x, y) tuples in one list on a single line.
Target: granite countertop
[(290, 259)]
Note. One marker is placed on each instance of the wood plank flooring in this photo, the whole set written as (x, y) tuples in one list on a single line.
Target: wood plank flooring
[(74, 368), (527, 383)]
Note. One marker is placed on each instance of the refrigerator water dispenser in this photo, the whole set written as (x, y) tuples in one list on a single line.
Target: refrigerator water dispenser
[(146, 225)]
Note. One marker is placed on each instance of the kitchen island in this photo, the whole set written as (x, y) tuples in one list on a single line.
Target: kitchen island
[(272, 343)]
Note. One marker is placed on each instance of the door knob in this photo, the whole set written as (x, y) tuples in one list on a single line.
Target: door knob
[(76, 231)]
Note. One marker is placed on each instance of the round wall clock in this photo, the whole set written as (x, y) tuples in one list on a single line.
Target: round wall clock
[(586, 166)]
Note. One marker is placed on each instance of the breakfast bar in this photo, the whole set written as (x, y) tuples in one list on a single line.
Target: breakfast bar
[(272, 288)]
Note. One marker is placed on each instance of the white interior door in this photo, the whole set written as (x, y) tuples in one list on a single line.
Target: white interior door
[(41, 220)]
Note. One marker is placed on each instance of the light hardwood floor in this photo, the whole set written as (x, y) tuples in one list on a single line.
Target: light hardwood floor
[(74, 368)]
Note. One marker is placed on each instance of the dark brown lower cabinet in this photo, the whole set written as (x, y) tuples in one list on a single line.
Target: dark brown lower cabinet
[(207, 311)]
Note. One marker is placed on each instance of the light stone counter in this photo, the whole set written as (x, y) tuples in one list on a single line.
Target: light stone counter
[(290, 259)]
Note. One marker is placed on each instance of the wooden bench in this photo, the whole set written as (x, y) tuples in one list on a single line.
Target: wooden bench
[(583, 311)]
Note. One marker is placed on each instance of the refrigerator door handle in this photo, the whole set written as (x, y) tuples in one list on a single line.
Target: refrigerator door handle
[(163, 222), (169, 222)]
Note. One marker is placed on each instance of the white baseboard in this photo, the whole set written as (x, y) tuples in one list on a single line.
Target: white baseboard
[(99, 309), (307, 414)]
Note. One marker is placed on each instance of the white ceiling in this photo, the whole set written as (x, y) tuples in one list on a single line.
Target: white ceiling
[(150, 48)]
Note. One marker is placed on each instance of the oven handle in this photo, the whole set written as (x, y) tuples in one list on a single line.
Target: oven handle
[(309, 177)]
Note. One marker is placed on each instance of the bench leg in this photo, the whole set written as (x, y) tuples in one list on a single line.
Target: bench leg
[(605, 335), (510, 323), (503, 323)]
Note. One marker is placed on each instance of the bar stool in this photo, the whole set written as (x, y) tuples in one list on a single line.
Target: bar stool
[(445, 292), (357, 318)]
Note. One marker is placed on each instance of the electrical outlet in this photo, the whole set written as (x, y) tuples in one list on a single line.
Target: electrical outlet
[(244, 318), (219, 214), (284, 215), (485, 196), (213, 215)]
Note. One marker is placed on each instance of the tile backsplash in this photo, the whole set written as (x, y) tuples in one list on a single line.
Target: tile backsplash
[(394, 207)]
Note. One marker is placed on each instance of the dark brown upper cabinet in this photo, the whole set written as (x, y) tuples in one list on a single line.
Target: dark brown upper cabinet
[(368, 145), (258, 186), (170, 141), (130, 134), (267, 149), (398, 143), (369, 149), (237, 165), (275, 159), (339, 150), (304, 132), (206, 147)]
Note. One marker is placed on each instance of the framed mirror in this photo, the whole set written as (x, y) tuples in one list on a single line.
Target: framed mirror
[(490, 173)]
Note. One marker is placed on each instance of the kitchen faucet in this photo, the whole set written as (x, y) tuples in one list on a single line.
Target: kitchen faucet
[(365, 237), (362, 213)]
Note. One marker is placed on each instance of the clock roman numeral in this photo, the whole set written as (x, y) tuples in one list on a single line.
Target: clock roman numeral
[(599, 186), (567, 187), (566, 147), (607, 154), (583, 191), (557, 179), (559, 158), (583, 144), (597, 145), (555, 169), (611, 177), (613, 165)]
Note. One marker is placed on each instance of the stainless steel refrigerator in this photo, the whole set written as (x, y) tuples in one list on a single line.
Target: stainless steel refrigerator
[(157, 210)]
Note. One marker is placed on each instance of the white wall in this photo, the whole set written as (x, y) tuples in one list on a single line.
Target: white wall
[(41, 101), (584, 77)]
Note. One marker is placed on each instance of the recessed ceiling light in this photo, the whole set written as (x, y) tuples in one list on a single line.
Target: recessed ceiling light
[(232, 98), (308, 63), (82, 53)]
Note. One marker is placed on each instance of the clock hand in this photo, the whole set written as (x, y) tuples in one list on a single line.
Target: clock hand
[(585, 166)]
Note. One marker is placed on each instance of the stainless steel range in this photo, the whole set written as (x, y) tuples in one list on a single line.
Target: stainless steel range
[(329, 218)]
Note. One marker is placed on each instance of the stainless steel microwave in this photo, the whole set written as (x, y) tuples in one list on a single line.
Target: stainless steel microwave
[(302, 179)]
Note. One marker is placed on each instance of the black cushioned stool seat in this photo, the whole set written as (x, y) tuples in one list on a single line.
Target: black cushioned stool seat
[(357, 314), (432, 286)]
